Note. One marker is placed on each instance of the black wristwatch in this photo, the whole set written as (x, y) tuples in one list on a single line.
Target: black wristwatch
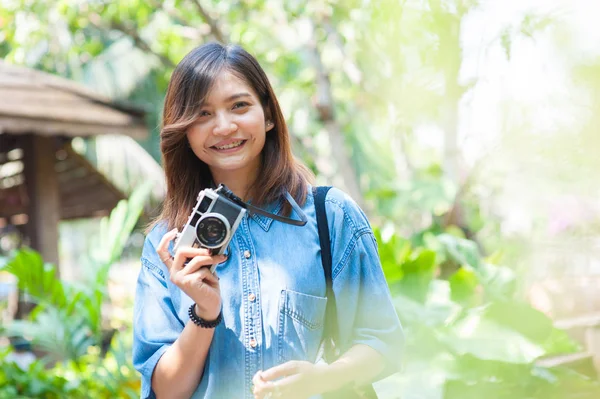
[(200, 322)]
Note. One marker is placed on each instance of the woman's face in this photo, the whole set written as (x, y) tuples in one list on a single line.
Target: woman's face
[(230, 131)]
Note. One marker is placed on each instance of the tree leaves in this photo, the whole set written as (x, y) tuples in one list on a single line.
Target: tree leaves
[(469, 335), (35, 278), (68, 318)]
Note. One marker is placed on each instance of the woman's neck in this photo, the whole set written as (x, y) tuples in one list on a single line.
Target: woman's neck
[(239, 183)]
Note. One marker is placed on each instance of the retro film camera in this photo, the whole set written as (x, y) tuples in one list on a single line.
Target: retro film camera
[(213, 221), (216, 216)]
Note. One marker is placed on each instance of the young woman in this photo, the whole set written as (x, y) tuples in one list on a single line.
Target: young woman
[(252, 329)]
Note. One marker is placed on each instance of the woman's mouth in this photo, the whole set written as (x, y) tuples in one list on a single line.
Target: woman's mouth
[(229, 146)]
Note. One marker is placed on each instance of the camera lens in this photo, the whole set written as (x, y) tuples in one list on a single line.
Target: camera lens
[(212, 231)]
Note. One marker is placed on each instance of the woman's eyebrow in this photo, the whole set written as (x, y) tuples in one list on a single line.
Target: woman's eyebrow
[(230, 98), (238, 95)]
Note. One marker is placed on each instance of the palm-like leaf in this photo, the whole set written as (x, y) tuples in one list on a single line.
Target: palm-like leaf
[(61, 335), (69, 317), (114, 232), (36, 278), (122, 378), (118, 70)]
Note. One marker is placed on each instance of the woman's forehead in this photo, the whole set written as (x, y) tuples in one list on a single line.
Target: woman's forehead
[(228, 86)]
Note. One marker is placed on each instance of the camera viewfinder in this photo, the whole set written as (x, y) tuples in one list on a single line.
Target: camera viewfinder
[(204, 204)]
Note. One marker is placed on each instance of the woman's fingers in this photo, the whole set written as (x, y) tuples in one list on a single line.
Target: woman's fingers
[(282, 370), (185, 253), (197, 266), (196, 273), (277, 380), (203, 273), (163, 248), (201, 261), (257, 380), (260, 387)]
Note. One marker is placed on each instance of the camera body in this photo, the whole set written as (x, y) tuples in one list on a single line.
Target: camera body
[(213, 221)]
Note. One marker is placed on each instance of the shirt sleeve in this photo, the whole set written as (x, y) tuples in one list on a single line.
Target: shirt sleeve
[(365, 311), (156, 324)]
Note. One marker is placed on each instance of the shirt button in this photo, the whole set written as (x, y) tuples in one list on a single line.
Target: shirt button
[(253, 343), (251, 297), (247, 254)]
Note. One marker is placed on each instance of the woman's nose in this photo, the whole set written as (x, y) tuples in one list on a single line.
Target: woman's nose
[(224, 125)]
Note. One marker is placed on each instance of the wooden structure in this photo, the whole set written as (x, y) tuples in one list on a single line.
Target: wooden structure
[(42, 179), (564, 277), (585, 330)]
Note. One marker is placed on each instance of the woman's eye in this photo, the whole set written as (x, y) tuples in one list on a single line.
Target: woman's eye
[(240, 104), (203, 113)]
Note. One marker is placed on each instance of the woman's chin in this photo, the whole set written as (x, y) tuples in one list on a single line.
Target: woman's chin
[(230, 168)]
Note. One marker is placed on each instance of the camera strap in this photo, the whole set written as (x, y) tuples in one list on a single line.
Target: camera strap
[(252, 209)]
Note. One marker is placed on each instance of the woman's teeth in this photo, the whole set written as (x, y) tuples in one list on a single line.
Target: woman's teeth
[(232, 145)]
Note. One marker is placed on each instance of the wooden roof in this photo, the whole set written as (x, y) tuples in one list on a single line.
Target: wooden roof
[(83, 191), (37, 102)]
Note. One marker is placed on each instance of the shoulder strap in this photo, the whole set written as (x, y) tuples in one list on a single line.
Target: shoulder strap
[(330, 329), (320, 193)]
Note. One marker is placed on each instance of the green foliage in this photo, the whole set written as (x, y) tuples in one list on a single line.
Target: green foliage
[(61, 333), (35, 382), (95, 376), (393, 68), (463, 286), (68, 317), (418, 271), (470, 334), (36, 278)]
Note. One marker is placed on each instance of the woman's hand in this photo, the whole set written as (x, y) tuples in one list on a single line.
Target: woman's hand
[(294, 380), (193, 278)]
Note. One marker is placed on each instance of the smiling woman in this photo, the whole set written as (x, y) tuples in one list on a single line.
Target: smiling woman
[(218, 95), (230, 131), (199, 335)]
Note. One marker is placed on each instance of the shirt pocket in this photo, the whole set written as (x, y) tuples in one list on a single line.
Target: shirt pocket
[(300, 327)]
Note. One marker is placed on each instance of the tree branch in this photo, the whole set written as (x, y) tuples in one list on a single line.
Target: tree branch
[(404, 149), (214, 27), (140, 43), (325, 106), (171, 12), (349, 66)]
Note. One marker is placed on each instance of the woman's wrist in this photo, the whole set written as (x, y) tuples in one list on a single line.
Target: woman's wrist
[(205, 314), (357, 367), (331, 377)]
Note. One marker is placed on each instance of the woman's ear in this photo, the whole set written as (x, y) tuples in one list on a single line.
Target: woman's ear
[(269, 125)]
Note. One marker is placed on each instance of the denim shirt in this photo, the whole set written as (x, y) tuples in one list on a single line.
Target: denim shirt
[(273, 299)]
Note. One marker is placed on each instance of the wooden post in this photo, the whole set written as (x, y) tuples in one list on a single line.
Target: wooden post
[(592, 343), (39, 159)]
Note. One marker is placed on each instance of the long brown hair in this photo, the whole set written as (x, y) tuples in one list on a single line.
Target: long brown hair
[(185, 173)]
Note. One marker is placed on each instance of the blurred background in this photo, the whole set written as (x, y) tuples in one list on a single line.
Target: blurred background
[(467, 130)]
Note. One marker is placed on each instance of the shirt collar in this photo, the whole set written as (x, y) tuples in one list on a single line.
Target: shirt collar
[(264, 221)]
